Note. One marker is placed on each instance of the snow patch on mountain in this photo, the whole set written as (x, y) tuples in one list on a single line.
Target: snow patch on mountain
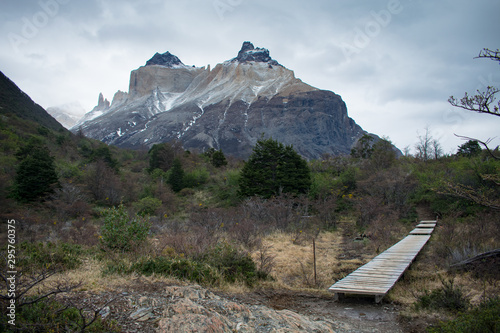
[(227, 107)]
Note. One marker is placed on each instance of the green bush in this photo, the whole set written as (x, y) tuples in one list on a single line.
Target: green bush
[(61, 256), (484, 318), (233, 264), (323, 185), (68, 170), (447, 297), (121, 232), (181, 268), (225, 188), (196, 178), (147, 206), (223, 263)]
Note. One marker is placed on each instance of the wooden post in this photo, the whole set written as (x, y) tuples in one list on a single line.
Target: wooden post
[(314, 259)]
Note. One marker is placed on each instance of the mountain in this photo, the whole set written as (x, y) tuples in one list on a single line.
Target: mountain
[(67, 115), (228, 107), (101, 108), (13, 101)]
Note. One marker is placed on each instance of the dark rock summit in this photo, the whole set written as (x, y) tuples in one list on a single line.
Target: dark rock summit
[(249, 53), (166, 59)]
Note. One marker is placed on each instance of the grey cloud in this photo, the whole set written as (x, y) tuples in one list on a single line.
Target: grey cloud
[(404, 67)]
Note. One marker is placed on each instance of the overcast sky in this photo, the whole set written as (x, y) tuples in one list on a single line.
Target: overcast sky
[(395, 63)]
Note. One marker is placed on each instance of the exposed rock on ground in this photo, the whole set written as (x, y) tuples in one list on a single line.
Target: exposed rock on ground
[(162, 308)]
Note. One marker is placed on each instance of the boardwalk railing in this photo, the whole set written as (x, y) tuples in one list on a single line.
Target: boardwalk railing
[(379, 275)]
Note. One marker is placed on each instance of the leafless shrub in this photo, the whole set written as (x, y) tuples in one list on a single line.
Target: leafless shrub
[(245, 232), (306, 273), (265, 260), (82, 231), (34, 286), (255, 208), (167, 197), (211, 221), (69, 201), (460, 240), (368, 209), (281, 213), (103, 184), (392, 187), (131, 184), (325, 211), (384, 231), (191, 243), (460, 254)]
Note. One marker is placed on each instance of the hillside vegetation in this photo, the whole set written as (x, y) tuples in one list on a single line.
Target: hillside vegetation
[(103, 213)]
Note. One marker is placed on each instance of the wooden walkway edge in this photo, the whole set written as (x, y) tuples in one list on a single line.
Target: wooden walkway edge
[(379, 275)]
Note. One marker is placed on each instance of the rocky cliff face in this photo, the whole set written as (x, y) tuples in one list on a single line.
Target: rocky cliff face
[(229, 107)]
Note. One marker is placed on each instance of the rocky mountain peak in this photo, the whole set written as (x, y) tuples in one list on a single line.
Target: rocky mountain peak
[(249, 53), (228, 107), (102, 103), (166, 59)]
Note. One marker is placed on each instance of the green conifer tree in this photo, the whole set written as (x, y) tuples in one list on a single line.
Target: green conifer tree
[(273, 169), (218, 159), (176, 177), (469, 149), (36, 175)]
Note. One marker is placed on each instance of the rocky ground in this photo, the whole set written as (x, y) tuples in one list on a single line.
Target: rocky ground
[(158, 307)]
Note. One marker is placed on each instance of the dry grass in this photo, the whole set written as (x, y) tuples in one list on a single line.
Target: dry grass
[(293, 260), (89, 274)]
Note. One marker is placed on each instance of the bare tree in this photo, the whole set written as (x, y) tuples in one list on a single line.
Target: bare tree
[(483, 100), (424, 145), (436, 149), (407, 151), (480, 102), (102, 183), (489, 54)]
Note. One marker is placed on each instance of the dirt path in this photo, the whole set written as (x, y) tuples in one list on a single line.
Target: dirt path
[(356, 314)]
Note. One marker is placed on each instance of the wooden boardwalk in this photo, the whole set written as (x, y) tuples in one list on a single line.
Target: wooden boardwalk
[(379, 275)]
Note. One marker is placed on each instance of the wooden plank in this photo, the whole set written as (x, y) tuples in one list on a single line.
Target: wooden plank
[(376, 288), (421, 231), (426, 225), (379, 275)]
